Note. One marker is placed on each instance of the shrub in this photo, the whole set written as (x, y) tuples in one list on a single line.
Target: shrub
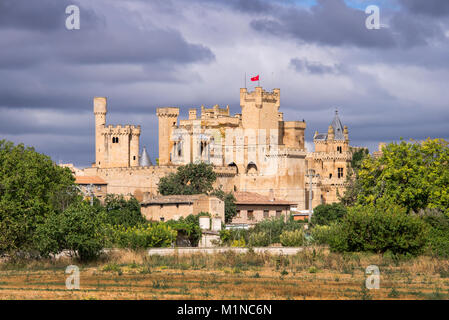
[(379, 229), (227, 236), (292, 238), (79, 228), (439, 231), (322, 234), (123, 212), (238, 243), (189, 227), (259, 239), (144, 236), (324, 214), (275, 226)]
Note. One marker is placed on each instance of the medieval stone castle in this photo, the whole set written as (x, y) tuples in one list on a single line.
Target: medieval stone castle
[(255, 151)]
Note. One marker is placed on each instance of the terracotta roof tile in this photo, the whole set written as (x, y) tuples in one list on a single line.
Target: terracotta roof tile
[(244, 197), (89, 180)]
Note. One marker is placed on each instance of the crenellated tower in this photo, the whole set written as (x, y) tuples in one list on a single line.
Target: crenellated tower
[(168, 118), (115, 146)]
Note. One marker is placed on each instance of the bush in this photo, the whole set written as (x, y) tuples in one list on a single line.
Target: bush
[(324, 214), (275, 226), (292, 238), (143, 236), (379, 229), (259, 239), (123, 212), (238, 243), (227, 236), (439, 231), (79, 228), (189, 227), (323, 234)]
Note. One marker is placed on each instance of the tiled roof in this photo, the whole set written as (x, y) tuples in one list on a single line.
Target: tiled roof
[(89, 180), (244, 197)]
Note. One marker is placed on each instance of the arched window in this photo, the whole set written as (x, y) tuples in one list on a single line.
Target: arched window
[(251, 168), (232, 164)]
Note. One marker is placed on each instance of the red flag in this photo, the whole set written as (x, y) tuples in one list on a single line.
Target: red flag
[(256, 78)]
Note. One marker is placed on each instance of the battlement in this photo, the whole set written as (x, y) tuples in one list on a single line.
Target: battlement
[(171, 112), (260, 94), (157, 170), (345, 156), (121, 130), (287, 152), (214, 112)]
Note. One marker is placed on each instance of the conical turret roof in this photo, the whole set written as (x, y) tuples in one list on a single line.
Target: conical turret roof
[(145, 159), (338, 127)]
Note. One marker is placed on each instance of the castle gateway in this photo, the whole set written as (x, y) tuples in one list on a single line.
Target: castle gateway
[(252, 151)]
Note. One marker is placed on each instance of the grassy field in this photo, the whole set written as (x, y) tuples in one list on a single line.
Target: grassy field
[(314, 273)]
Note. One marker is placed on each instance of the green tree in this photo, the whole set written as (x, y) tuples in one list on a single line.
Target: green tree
[(325, 214), (229, 202), (412, 175), (80, 228), (188, 227), (380, 229), (120, 211), (32, 187), (193, 178)]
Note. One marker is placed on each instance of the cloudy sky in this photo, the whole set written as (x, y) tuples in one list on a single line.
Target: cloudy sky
[(143, 54)]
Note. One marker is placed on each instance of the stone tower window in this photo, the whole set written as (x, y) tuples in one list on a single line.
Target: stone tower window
[(340, 172), (339, 149), (114, 139)]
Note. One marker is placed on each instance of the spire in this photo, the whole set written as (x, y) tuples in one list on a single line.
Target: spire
[(338, 127), (145, 159)]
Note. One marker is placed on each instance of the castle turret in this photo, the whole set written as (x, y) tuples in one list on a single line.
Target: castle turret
[(330, 133), (134, 147), (145, 159), (168, 117), (100, 110)]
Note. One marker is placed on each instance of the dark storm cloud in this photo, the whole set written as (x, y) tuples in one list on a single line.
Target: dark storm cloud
[(41, 15), (330, 22), (314, 67), (415, 31), (333, 23), (435, 8), (46, 69)]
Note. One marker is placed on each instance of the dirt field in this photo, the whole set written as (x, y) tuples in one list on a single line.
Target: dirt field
[(312, 274)]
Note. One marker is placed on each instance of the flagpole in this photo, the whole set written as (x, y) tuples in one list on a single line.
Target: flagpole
[(245, 80)]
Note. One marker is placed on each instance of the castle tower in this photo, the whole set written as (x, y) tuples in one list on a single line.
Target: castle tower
[(100, 110), (168, 118), (260, 109), (134, 147), (115, 146)]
